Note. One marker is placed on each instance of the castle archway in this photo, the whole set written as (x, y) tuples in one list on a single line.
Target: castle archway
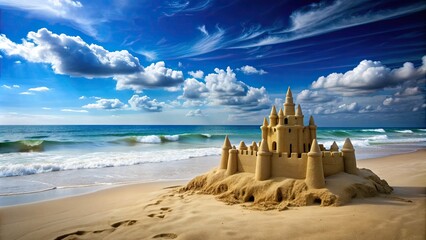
[(274, 146)]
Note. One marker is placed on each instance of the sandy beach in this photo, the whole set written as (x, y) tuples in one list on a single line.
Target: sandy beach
[(158, 211)]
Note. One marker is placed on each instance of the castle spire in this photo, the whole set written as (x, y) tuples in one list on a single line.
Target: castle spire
[(281, 117), (348, 144), (289, 105), (227, 143), (263, 146), (314, 169), (334, 147), (265, 122), (242, 146), (311, 121), (273, 116), (299, 110)]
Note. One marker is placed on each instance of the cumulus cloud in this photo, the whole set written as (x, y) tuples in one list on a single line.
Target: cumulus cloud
[(409, 91), (18, 62), (250, 70), (39, 89), (72, 56), (370, 76), (26, 93), (154, 76), (73, 110), (82, 97), (313, 96), (145, 103), (195, 113), (223, 88), (108, 104), (197, 74)]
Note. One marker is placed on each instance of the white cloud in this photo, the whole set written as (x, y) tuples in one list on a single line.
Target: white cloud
[(409, 91), (26, 93), (18, 62), (197, 74), (108, 104), (203, 30), (313, 96), (370, 76), (249, 70), (72, 56), (180, 64), (73, 110), (6, 86), (46, 108), (82, 97), (16, 86), (223, 88), (195, 113), (39, 89), (145, 103), (154, 76)]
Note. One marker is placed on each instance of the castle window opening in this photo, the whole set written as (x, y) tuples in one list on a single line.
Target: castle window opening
[(289, 130), (274, 146), (285, 121), (291, 148)]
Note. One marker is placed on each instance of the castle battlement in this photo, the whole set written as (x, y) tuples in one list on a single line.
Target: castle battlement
[(288, 149)]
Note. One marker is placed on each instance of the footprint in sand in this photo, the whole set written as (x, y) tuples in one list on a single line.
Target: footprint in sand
[(166, 236), (92, 234), (160, 213)]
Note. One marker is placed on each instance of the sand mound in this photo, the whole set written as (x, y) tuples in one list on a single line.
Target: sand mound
[(278, 193)]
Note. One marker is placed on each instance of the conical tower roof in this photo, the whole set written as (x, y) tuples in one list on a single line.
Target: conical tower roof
[(299, 110), (289, 94), (281, 113), (273, 111), (242, 145), (264, 146), (265, 122), (227, 143), (315, 147), (311, 120), (334, 147), (348, 144)]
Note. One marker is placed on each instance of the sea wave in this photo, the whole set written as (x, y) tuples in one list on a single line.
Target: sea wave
[(31, 145), (44, 162), (404, 131), (380, 130)]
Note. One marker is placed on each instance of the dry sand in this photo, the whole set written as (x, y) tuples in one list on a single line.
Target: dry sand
[(157, 211)]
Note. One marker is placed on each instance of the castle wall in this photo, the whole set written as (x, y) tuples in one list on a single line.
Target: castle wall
[(246, 161), (290, 167), (332, 163)]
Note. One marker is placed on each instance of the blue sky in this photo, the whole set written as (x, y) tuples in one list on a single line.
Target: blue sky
[(349, 63)]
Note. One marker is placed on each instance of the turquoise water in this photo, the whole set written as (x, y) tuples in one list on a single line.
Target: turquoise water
[(26, 150), (35, 159)]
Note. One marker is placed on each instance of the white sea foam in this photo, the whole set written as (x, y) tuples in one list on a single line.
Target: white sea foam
[(149, 139), (380, 130), (404, 131), (33, 163), (172, 137), (206, 135)]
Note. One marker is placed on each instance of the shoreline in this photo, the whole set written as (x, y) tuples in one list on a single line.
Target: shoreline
[(146, 210)]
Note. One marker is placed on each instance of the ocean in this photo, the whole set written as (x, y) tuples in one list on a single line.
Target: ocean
[(45, 162)]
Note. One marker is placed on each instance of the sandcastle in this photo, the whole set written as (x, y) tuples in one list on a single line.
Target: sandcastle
[(288, 167)]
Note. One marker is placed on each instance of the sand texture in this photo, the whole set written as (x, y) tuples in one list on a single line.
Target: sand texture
[(281, 193), (161, 211)]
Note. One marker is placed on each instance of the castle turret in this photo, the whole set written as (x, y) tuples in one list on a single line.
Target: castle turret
[(263, 162), (254, 146), (242, 146), (225, 153), (232, 161), (281, 117), (349, 159), (334, 147), (314, 169), (273, 117), (299, 111), (264, 129), (289, 105)]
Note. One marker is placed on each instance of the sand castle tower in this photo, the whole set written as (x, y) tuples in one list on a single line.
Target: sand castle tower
[(285, 132), (314, 169)]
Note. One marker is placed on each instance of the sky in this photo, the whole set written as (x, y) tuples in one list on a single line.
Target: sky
[(349, 63)]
